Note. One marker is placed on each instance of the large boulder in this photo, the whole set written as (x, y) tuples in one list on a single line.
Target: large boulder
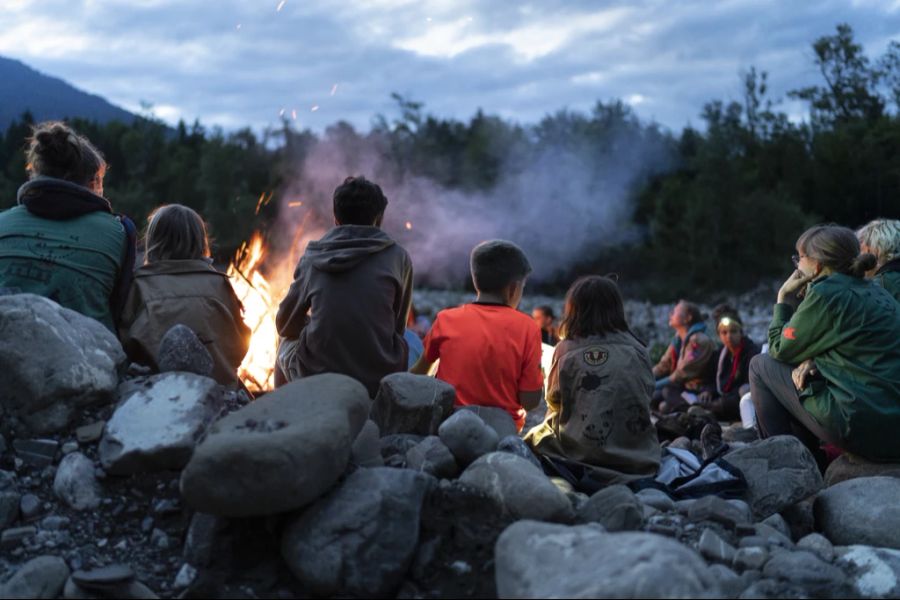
[(780, 471), (467, 436), (861, 511), (75, 482), (359, 539), (158, 422), (280, 452), (543, 560), (408, 403), (496, 418), (41, 577), (455, 557), (849, 466), (53, 362), (874, 572), (433, 457), (521, 488)]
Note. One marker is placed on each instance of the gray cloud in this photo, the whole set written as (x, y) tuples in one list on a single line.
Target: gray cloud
[(522, 61)]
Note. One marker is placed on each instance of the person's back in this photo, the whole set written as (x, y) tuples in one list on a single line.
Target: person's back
[(598, 393), (346, 311), (62, 240), (488, 350), (178, 285), (186, 292)]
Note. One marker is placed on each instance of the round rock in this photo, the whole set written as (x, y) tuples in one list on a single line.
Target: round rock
[(861, 511)]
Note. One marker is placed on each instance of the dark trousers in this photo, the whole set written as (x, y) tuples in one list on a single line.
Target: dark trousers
[(779, 410)]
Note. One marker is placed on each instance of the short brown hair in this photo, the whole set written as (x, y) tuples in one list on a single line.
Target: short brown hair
[(594, 306), (57, 150), (837, 248), (497, 263), (175, 232), (696, 315)]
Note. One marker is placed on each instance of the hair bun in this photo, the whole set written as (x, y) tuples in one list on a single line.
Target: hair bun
[(56, 150), (863, 263)]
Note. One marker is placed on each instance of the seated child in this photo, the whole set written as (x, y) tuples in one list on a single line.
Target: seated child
[(598, 425), (346, 310), (489, 351), (177, 284)]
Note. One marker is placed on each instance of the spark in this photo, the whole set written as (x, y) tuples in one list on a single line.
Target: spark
[(238, 27), (294, 114), (295, 204), (314, 108), (280, 5), (333, 90), (281, 113), (408, 225)]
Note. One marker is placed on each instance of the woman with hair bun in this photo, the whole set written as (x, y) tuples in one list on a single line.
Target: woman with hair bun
[(62, 240), (842, 333)]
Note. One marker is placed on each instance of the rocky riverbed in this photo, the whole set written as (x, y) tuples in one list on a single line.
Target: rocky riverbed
[(119, 483)]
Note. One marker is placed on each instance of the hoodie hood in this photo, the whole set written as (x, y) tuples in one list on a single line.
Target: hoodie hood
[(60, 200), (345, 246)]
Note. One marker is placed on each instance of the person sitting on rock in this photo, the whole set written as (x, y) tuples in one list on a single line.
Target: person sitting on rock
[(599, 388), (881, 238), (733, 371), (489, 351), (62, 240), (178, 285), (688, 364), (845, 336), (347, 308), (544, 317)]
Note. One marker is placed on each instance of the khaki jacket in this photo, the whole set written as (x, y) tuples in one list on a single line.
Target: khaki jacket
[(598, 399), (191, 293)]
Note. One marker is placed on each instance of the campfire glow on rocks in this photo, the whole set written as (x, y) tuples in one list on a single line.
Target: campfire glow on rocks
[(260, 281)]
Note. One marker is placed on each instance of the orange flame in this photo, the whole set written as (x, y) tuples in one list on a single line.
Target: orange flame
[(261, 295)]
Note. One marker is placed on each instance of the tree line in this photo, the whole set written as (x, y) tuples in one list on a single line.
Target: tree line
[(714, 208)]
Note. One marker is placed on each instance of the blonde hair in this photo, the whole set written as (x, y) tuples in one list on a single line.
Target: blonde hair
[(837, 248), (882, 236), (57, 150), (175, 232)]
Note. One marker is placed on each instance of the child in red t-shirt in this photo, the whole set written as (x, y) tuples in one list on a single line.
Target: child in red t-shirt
[(489, 351)]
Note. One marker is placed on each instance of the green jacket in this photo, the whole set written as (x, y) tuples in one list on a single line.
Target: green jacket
[(851, 327), (73, 262), (888, 277)]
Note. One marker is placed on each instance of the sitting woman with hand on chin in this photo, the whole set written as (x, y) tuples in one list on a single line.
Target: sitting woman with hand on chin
[(833, 369)]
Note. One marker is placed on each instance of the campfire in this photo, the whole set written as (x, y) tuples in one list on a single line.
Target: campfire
[(260, 281)]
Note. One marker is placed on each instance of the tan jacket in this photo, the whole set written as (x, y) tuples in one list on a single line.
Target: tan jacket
[(598, 399), (693, 366), (191, 293)]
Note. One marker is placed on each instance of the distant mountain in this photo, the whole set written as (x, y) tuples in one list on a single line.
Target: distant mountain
[(22, 88)]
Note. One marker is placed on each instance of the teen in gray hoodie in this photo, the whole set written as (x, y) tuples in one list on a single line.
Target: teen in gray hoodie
[(346, 310)]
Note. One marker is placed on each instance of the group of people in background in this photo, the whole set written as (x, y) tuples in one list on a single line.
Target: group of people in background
[(829, 372)]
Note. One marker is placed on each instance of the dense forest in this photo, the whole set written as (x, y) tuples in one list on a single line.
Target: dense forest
[(714, 207)]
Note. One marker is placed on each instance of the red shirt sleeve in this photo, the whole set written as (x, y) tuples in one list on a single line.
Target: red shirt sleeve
[(531, 378), (433, 340)]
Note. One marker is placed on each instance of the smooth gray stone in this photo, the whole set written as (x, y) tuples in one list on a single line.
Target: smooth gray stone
[(803, 568), (615, 507), (520, 487), (408, 403), (78, 364), (750, 558), (76, 484), (496, 418), (181, 350), (280, 452), (467, 436), (432, 456), (41, 577), (657, 499), (819, 545), (516, 445), (780, 471), (712, 547), (862, 511), (531, 556), (366, 449), (359, 540)]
